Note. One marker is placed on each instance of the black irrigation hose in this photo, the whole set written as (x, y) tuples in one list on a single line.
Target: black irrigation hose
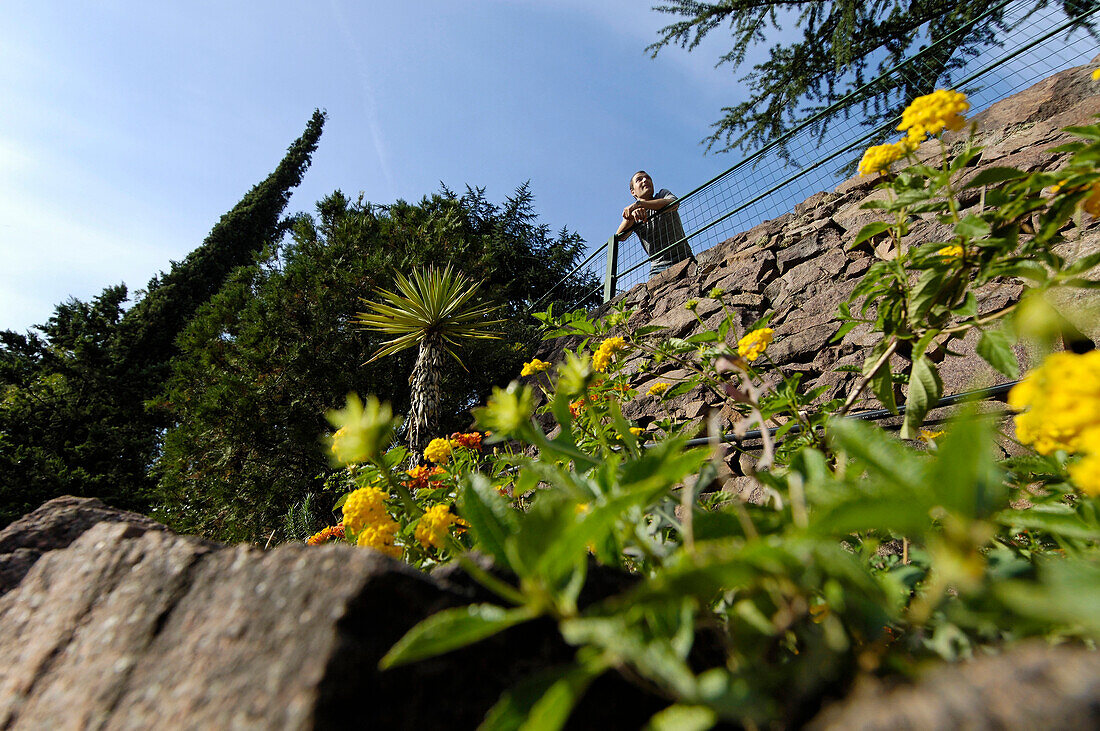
[(981, 394)]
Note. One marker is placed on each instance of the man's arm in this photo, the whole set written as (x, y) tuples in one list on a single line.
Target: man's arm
[(668, 202), (624, 228)]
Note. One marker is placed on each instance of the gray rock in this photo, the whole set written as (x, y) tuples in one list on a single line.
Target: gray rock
[(1030, 687), (55, 524), (132, 628)]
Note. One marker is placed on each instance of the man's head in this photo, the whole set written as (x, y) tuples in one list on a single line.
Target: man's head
[(641, 185)]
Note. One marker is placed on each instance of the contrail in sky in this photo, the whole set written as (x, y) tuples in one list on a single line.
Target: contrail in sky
[(368, 94)]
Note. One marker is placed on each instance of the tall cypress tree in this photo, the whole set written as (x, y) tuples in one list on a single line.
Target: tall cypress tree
[(72, 400)]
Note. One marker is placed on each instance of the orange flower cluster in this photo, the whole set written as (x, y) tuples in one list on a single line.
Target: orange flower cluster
[(333, 532), (471, 440), (423, 477)]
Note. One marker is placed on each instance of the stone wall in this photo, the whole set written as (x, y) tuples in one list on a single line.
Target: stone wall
[(799, 265)]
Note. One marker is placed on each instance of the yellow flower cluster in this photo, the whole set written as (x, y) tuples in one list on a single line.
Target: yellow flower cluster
[(951, 252), (878, 158), (606, 352), (365, 514), (1086, 473), (755, 343), (1096, 74), (929, 436), (439, 450), (535, 366), (380, 537), (932, 113), (363, 507), (658, 388), (435, 524), (1060, 402)]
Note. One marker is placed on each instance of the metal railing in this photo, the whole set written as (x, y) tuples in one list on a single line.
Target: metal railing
[(770, 181)]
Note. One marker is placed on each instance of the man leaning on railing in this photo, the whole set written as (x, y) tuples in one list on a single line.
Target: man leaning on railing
[(655, 221)]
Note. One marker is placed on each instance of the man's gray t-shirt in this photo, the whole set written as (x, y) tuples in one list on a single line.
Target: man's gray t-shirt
[(658, 232)]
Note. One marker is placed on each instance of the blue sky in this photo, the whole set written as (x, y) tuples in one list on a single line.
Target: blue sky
[(128, 128)]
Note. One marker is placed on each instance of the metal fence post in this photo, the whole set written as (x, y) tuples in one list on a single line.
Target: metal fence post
[(611, 277)]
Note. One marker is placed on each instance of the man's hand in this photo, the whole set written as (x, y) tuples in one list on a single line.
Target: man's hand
[(635, 212)]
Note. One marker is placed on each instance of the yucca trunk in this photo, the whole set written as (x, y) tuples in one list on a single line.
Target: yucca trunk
[(426, 393)]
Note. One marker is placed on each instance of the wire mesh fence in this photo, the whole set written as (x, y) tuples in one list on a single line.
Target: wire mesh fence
[(772, 180)]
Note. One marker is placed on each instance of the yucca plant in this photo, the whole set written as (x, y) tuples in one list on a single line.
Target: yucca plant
[(435, 309)]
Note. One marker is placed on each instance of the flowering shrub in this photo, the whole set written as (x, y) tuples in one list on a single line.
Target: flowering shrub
[(869, 555)]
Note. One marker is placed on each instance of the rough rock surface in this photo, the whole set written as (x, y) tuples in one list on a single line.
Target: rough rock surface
[(54, 525), (1030, 687), (799, 265), (131, 626)]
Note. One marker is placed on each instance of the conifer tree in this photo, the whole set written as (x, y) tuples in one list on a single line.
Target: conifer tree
[(72, 398)]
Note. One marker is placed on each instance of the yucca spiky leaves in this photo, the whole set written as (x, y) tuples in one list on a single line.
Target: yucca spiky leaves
[(433, 310), (433, 301)]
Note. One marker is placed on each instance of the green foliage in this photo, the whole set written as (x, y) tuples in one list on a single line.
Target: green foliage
[(838, 51), (921, 298), (72, 401), (869, 555), (263, 361)]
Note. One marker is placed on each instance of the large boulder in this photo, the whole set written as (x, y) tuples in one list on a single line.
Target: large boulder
[(124, 624)]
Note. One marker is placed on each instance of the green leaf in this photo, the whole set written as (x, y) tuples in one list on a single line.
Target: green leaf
[(1081, 283), (1066, 524), (683, 718), (925, 388), (903, 515), (924, 342), (878, 452), (652, 656), (678, 389), (707, 336), (990, 176), (995, 347), (552, 710), (972, 226), (1024, 269), (924, 294), (968, 308), (1090, 132), (964, 476), (491, 516), (762, 322), (1083, 264), (882, 385), (516, 705), (868, 231), (843, 330), (451, 629)]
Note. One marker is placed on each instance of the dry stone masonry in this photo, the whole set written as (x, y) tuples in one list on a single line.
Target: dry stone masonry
[(799, 265)]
